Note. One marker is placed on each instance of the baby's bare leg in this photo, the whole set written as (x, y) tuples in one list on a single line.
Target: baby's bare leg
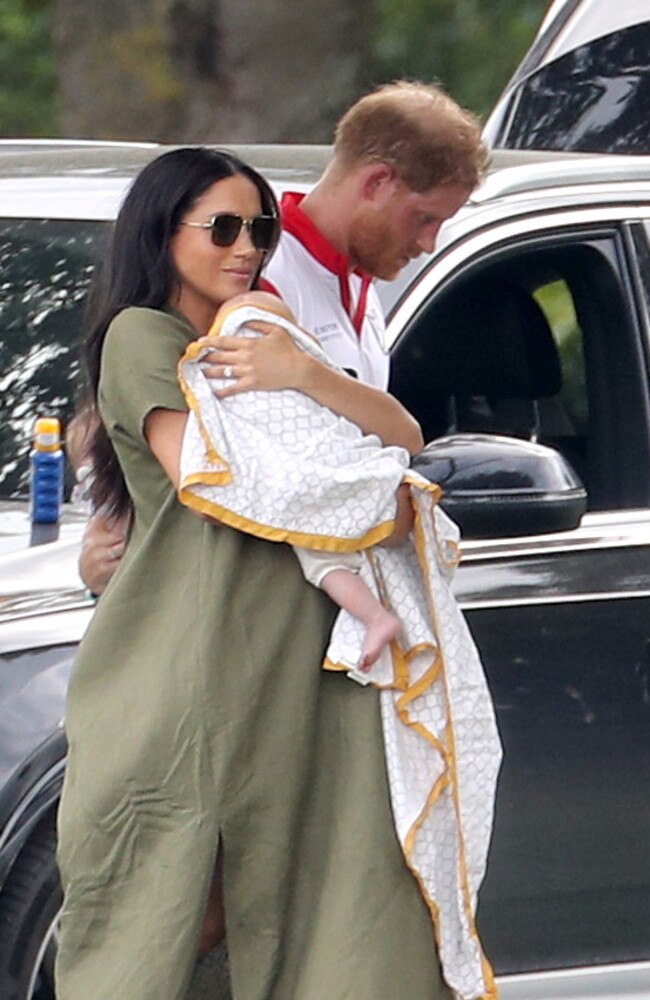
[(348, 590)]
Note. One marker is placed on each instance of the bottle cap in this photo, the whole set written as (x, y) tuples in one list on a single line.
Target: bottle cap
[(47, 434)]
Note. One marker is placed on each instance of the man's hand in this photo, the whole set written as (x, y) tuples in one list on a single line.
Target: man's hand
[(102, 547)]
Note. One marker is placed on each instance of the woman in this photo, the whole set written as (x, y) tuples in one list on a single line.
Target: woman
[(199, 721)]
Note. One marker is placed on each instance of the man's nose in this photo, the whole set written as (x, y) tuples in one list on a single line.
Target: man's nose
[(428, 237)]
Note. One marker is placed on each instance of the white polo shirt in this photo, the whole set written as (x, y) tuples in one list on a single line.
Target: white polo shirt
[(339, 306)]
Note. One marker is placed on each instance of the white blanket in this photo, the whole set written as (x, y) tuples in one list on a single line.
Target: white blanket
[(280, 466)]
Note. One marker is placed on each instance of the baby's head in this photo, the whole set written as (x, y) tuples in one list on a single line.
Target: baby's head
[(262, 300)]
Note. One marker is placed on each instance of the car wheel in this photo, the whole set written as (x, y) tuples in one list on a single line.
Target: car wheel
[(30, 903)]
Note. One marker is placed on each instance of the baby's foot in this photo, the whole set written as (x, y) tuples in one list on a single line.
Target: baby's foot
[(381, 630)]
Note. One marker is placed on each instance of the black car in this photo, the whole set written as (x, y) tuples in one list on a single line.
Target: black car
[(522, 347)]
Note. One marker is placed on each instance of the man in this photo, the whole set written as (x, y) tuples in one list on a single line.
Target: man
[(405, 159)]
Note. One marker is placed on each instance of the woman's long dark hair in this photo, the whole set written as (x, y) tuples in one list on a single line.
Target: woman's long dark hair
[(138, 271)]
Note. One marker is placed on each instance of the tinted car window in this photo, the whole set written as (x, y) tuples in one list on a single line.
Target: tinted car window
[(557, 304), (540, 343), (45, 268), (593, 99)]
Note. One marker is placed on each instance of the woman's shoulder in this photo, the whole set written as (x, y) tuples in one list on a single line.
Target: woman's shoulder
[(137, 327), (140, 355), (141, 318)]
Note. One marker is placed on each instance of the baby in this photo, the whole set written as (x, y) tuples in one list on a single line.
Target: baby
[(336, 573)]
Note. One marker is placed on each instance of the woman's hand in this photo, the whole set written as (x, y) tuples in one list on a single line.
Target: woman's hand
[(272, 361), (102, 547)]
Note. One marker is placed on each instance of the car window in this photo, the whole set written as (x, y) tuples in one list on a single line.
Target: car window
[(593, 99), (540, 342), (45, 268), (556, 302)]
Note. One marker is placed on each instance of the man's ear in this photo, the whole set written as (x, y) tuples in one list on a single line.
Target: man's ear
[(377, 181)]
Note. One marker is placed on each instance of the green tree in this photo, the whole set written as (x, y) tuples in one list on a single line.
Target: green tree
[(247, 69), (28, 87), (470, 46), (210, 70)]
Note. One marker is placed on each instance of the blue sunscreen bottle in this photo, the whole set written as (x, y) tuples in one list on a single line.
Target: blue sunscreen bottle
[(47, 463)]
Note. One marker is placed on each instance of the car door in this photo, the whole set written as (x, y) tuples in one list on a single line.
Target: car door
[(562, 621)]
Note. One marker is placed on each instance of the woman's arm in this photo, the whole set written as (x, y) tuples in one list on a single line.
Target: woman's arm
[(273, 361), (164, 431), (104, 539)]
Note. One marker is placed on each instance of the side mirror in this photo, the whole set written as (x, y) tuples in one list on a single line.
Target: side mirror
[(497, 486)]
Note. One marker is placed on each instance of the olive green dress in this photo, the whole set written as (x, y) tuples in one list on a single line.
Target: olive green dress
[(198, 712)]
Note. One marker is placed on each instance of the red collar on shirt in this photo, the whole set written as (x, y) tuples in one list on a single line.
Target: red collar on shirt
[(296, 222)]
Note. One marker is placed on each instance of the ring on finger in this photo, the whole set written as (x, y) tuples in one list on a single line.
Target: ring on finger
[(228, 371)]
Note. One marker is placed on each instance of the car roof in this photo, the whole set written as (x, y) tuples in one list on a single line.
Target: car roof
[(569, 24), (88, 180), (73, 156), (82, 179), (517, 171)]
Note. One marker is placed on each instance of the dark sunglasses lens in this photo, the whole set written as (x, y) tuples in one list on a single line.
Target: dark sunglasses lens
[(225, 229), (264, 230)]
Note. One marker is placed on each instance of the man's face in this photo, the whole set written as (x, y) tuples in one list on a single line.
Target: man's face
[(391, 230)]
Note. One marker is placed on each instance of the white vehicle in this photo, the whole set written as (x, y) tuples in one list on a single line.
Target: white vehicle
[(530, 320)]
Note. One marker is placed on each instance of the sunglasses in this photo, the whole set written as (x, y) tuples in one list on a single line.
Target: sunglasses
[(226, 227)]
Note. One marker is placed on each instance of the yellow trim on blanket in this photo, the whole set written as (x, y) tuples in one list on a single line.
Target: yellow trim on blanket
[(434, 795), (193, 405), (492, 991), (328, 664), (416, 650), (450, 756), (207, 479), (424, 486), (400, 666), (323, 543), (428, 679), (400, 670), (342, 668), (433, 488)]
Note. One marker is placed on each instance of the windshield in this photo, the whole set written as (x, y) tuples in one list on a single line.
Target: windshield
[(46, 266)]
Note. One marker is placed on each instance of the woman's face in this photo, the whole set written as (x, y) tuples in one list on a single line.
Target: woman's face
[(209, 274)]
